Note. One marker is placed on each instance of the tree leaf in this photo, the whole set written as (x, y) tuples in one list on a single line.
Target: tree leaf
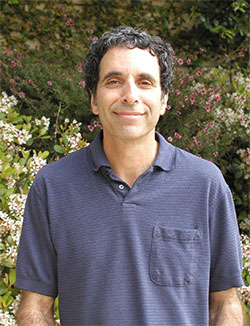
[(59, 149)]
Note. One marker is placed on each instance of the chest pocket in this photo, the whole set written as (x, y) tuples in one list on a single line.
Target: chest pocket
[(174, 255)]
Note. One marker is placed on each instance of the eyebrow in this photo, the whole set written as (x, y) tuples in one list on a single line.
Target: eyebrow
[(118, 73), (148, 76), (111, 74)]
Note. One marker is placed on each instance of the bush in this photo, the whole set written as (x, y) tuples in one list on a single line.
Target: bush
[(19, 163), (51, 86), (219, 27)]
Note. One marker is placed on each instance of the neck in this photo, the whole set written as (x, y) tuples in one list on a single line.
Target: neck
[(129, 159)]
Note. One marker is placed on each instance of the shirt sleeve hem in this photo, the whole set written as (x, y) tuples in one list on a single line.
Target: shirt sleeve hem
[(225, 284), (35, 286)]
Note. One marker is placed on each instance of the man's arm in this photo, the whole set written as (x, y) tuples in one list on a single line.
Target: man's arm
[(226, 309), (35, 310)]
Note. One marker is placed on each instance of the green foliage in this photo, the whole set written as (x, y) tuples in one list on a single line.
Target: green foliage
[(19, 163), (219, 27), (44, 83)]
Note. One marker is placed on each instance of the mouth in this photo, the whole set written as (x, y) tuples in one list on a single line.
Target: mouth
[(129, 114)]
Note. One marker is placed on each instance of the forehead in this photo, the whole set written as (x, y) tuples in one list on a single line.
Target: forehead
[(129, 61)]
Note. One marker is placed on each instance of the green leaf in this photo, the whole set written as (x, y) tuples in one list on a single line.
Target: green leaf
[(2, 191), (42, 131), (12, 277), (59, 149), (22, 162), (9, 240), (7, 264), (65, 139), (8, 172), (43, 155), (242, 216), (10, 191), (238, 174), (29, 142)]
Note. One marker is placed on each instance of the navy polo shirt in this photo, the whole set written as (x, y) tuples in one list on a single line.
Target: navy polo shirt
[(148, 255)]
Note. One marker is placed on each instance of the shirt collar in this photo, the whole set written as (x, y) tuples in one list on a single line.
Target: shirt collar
[(97, 152), (165, 158)]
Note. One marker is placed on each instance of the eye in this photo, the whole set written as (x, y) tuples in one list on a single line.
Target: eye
[(145, 83), (112, 82)]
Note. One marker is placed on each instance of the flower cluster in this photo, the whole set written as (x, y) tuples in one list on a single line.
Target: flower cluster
[(36, 164), (74, 139), (16, 204), (96, 124), (245, 158), (7, 319), (7, 102), (43, 122), (232, 116), (14, 306), (245, 246), (10, 134)]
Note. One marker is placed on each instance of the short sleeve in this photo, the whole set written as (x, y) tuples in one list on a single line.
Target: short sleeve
[(36, 268), (225, 248)]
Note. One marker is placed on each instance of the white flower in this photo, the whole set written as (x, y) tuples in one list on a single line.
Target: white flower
[(245, 165), (16, 204), (14, 306), (43, 121), (11, 182), (38, 122), (7, 319), (6, 102), (36, 164), (10, 134)]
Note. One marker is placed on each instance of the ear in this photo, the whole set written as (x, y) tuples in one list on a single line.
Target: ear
[(164, 102), (93, 104)]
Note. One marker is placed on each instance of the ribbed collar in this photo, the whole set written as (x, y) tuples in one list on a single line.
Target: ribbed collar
[(165, 159)]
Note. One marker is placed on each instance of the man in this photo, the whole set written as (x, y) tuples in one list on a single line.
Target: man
[(130, 230)]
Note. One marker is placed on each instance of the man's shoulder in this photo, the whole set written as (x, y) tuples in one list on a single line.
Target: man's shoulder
[(183, 163), (198, 168), (73, 163)]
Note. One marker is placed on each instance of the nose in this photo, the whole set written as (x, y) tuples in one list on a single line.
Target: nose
[(130, 93)]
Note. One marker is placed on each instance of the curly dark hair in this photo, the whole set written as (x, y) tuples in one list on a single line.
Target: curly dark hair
[(125, 36)]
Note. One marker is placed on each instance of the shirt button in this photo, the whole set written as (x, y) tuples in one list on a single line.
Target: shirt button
[(121, 187)]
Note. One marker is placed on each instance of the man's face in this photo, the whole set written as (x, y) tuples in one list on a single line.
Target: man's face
[(128, 97)]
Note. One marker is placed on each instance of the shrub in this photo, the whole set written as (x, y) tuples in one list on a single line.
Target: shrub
[(19, 163), (51, 86), (220, 27)]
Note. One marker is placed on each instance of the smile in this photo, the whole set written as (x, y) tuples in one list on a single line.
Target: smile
[(129, 114)]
